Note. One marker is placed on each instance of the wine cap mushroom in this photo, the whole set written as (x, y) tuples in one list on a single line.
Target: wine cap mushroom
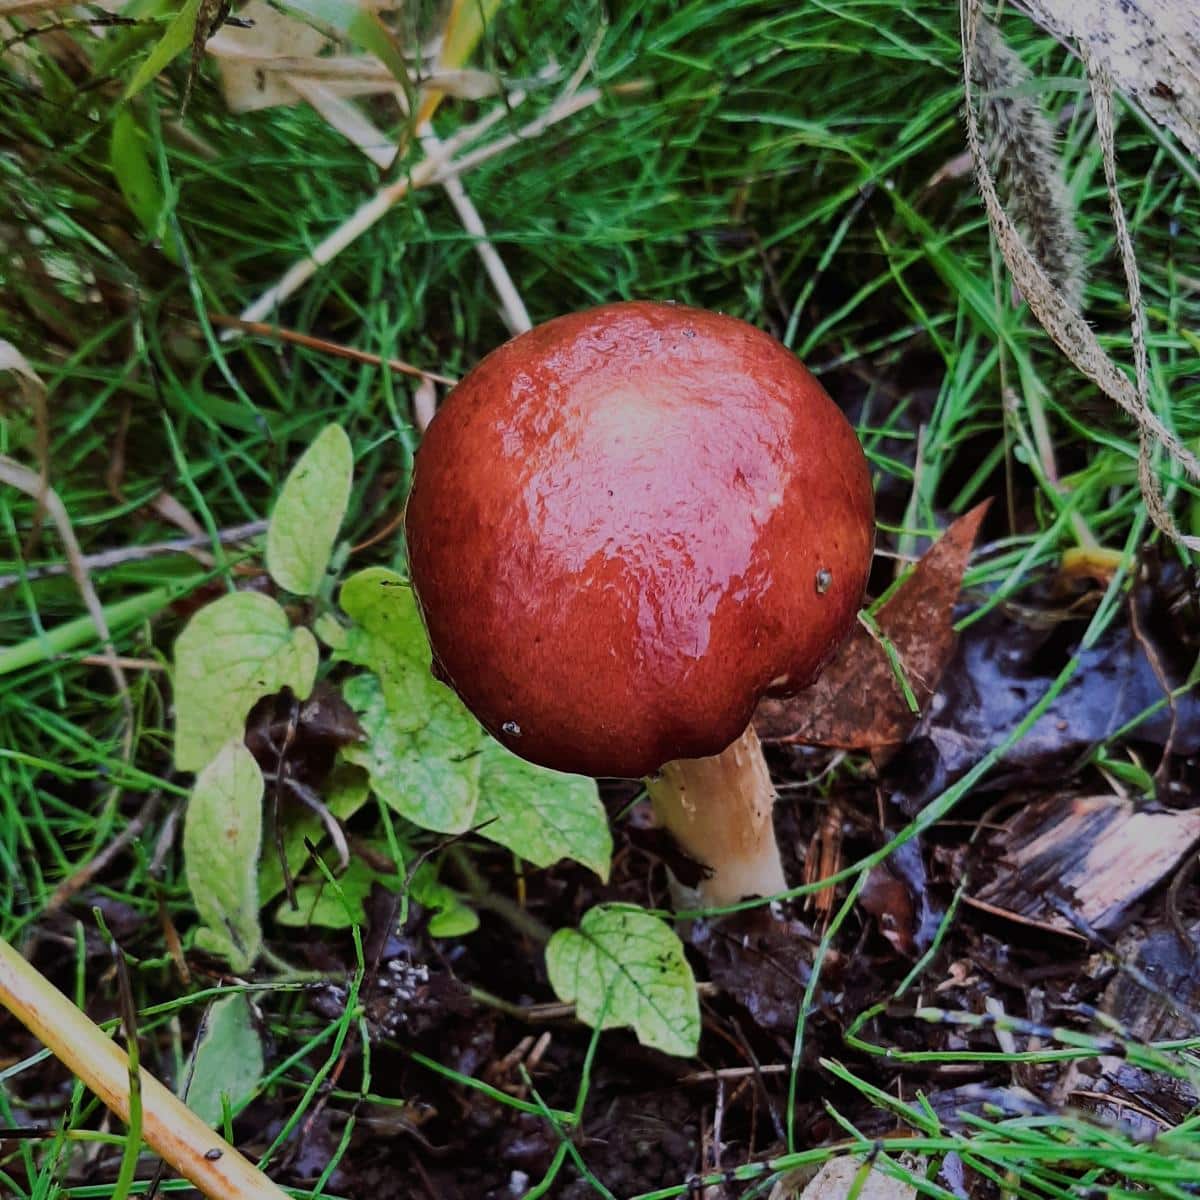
[(629, 524)]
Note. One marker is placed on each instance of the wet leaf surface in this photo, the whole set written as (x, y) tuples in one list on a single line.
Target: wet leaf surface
[(1005, 664), (627, 967)]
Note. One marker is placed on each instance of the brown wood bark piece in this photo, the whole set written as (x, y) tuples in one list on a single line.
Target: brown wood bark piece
[(1091, 857)]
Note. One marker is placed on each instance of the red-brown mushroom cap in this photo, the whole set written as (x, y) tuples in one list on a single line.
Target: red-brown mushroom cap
[(626, 526)]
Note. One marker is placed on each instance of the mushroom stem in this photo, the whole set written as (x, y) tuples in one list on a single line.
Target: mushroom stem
[(719, 811)]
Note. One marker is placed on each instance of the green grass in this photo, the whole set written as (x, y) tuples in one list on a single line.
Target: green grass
[(774, 165)]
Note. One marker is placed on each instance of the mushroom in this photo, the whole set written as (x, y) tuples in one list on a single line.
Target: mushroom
[(626, 526)]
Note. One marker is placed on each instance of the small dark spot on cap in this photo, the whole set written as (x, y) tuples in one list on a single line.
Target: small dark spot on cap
[(824, 579), (689, 333)]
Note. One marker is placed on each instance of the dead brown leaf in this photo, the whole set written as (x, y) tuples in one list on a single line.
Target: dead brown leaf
[(858, 703)]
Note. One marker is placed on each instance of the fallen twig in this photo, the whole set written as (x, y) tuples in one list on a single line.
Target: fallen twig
[(125, 554), (335, 348), (169, 1127)]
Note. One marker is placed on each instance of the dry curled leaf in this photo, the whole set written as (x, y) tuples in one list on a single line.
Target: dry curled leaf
[(858, 703), (242, 53)]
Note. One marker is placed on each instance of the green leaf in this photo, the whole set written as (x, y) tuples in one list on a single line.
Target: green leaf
[(320, 903), (425, 750), (309, 512), (428, 774), (228, 1060), (221, 835), (451, 916), (232, 653), (626, 967), (347, 793), (388, 637), (130, 161), (423, 746), (541, 815), (175, 40)]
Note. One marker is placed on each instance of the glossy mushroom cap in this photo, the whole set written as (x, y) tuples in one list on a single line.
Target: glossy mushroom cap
[(626, 526)]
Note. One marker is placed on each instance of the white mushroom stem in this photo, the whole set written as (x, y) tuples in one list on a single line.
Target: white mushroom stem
[(719, 811)]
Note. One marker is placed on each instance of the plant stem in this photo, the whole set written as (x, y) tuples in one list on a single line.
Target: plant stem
[(508, 910), (170, 1128), (70, 635)]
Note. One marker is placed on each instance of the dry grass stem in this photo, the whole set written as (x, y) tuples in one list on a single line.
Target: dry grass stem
[(434, 170), (1068, 330), (127, 554), (170, 1128), (368, 214), (512, 307), (30, 482), (265, 329), (1021, 148)]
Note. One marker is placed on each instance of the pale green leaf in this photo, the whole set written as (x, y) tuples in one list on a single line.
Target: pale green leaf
[(626, 967), (309, 512), (428, 774), (232, 653), (228, 1060), (423, 743), (319, 902), (222, 831), (346, 794), (388, 637), (539, 814), (176, 38), (331, 631)]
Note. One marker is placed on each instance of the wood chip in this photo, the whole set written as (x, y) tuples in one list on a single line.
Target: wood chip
[(1087, 857)]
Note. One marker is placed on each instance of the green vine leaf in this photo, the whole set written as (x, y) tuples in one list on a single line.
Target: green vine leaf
[(388, 637), (542, 815), (626, 967), (430, 760), (451, 915), (428, 774), (222, 832), (232, 653), (309, 513)]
